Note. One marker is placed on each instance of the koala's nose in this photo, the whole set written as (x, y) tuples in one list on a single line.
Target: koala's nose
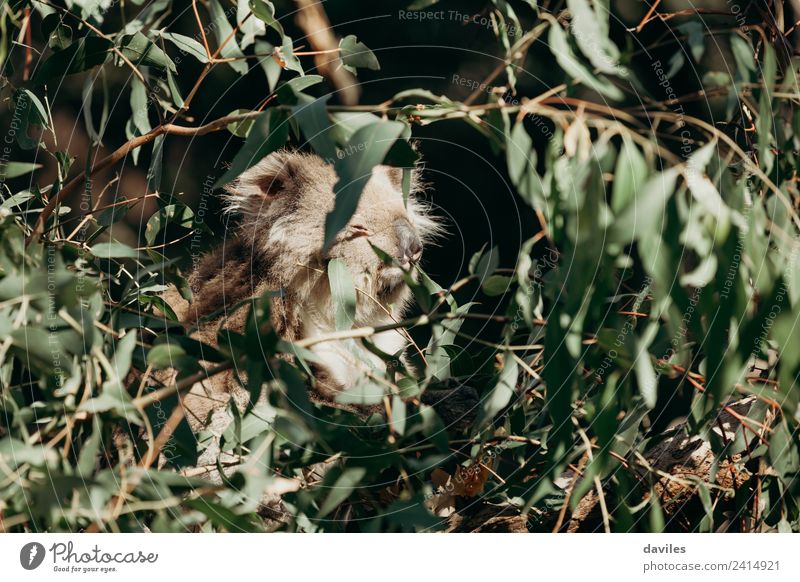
[(410, 247)]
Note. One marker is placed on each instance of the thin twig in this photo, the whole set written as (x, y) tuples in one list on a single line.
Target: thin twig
[(123, 151), (563, 512), (202, 29), (364, 332), (184, 384), (313, 21)]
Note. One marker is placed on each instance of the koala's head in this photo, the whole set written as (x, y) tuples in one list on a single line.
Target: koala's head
[(283, 202)]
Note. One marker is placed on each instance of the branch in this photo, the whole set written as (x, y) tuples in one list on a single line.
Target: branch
[(100, 33), (313, 21), (202, 29), (122, 152), (750, 164), (364, 332), (157, 395)]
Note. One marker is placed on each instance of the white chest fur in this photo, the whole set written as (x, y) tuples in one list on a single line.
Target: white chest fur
[(348, 362)]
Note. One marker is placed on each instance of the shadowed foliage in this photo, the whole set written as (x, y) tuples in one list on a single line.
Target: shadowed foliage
[(604, 339)]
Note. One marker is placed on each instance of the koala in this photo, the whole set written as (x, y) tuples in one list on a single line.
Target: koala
[(281, 205)]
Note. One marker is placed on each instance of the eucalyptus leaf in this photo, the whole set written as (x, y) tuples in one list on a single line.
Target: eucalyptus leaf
[(501, 393), (269, 133), (114, 250), (343, 294), (340, 488), (645, 213), (356, 55), (265, 11), (355, 170), (223, 31), (557, 41), (83, 54), (186, 45), (140, 50), (16, 169)]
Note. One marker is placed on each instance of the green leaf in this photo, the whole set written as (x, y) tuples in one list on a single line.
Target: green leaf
[(18, 199), (398, 421), (364, 393), (646, 378), (743, 55), (58, 34), (501, 393), (630, 176), (223, 517), (178, 214), (483, 265), (250, 26), (496, 285), (186, 45), (784, 450), (343, 294), (86, 94), (114, 214), (241, 128), (290, 61), (83, 54), (223, 31), (123, 354), (590, 30), (265, 11), (312, 117), (87, 459), (114, 250), (356, 55), (561, 50), (702, 275), (521, 161), (165, 355), (16, 169), (31, 112), (420, 4), (518, 152), (174, 90), (269, 133), (643, 216), (766, 112), (272, 69), (37, 348), (14, 453), (140, 50), (705, 192), (139, 106), (156, 162), (355, 170), (695, 32), (345, 482), (290, 92), (256, 422)]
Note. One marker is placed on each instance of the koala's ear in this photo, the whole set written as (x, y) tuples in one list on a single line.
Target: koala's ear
[(274, 176)]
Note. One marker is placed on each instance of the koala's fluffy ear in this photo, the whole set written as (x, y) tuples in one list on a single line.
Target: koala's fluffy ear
[(257, 187)]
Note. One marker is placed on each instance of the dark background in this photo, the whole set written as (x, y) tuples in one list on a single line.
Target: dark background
[(467, 180)]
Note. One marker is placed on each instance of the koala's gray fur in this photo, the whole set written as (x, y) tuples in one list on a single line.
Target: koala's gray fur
[(281, 204)]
